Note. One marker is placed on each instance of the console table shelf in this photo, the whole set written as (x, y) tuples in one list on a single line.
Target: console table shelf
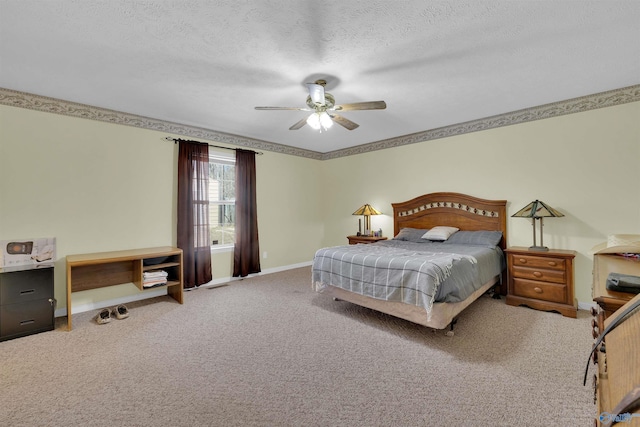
[(97, 270)]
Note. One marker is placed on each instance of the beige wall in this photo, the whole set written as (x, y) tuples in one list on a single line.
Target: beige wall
[(586, 165), (98, 187)]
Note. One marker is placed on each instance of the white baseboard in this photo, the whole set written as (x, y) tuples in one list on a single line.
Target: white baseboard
[(152, 293), (586, 305), (225, 280), (163, 291), (217, 282)]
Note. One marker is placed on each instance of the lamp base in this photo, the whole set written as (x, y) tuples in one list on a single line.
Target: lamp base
[(538, 248)]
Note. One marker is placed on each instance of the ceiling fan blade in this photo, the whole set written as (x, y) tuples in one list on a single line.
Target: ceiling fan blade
[(283, 108), (316, 92), (299, 124), (371, 105), (344, 122)]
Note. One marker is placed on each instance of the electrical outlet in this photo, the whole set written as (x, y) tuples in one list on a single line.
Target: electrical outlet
[(264, 254)]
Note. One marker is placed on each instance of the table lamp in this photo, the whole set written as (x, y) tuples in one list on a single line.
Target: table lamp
[(367, 210), (537, 210)]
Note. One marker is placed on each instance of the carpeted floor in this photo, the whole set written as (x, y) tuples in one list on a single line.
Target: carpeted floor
[(268, 351)]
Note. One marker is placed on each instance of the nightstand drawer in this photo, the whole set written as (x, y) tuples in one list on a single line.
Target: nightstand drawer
[(540, 290), (554, 276), (533, 261)]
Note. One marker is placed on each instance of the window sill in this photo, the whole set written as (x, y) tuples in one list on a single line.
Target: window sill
[(221, 248)]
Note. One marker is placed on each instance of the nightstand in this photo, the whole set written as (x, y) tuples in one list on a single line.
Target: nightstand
[(541, 280), (354, 240)]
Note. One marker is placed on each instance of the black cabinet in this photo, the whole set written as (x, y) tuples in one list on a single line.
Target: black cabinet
[(26, 300)]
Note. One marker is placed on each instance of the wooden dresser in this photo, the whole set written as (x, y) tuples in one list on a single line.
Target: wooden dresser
[(618, 372), (541, 280)]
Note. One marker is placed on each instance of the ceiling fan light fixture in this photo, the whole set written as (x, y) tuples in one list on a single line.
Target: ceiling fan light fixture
[(320, 121), (325, 120), (323, 107), (314, 121)]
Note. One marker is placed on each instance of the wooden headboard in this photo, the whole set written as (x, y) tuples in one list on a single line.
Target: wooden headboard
[(451, 209)]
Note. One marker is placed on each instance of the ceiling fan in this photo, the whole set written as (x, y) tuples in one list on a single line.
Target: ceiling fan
[(324, 109)]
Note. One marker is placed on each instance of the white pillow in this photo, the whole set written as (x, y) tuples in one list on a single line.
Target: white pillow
[(439, 233)]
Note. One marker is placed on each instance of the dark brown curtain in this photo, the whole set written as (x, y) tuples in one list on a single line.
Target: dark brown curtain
[(246, 255), (193, 212)]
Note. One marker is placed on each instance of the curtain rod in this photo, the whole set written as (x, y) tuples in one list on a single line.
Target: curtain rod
[(176, 140)]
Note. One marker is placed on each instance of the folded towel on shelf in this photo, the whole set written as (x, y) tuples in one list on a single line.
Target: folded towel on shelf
[(623, 283), (153, 278), (155, 274), (154, 284)]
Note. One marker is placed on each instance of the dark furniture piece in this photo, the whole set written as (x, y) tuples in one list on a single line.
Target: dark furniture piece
[(541, 280), (26, 300)]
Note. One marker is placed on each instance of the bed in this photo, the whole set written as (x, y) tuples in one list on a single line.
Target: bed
[(428, 282)]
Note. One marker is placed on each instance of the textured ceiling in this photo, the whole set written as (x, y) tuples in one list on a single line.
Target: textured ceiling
[(208, 64)]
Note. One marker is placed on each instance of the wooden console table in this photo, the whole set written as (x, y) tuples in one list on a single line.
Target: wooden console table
[(98, 270)]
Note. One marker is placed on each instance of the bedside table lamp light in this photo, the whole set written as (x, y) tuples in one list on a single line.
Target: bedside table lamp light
[(366, 210), (537, 210)]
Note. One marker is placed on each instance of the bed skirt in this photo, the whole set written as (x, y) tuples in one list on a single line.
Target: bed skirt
[(442, 313)]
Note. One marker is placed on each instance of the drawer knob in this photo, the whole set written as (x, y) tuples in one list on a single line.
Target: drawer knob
[(537, 290), (523, 261), (553, 263), (537, 274)]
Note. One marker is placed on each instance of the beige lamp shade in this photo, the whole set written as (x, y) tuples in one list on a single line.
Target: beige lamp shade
[(367, 210), (537, 209)]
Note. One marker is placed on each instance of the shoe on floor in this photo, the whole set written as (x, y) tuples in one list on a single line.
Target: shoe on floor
[(121, 312), (103, 317)]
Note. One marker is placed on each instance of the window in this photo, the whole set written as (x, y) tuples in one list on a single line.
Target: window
[(222, 200)]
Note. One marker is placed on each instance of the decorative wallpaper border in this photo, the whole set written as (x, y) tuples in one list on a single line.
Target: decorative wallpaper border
[(451, 205), (556, 109), (57, 106), (576, 105)]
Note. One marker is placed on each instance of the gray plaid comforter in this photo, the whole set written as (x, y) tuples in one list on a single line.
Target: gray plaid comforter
[(405, 272)]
